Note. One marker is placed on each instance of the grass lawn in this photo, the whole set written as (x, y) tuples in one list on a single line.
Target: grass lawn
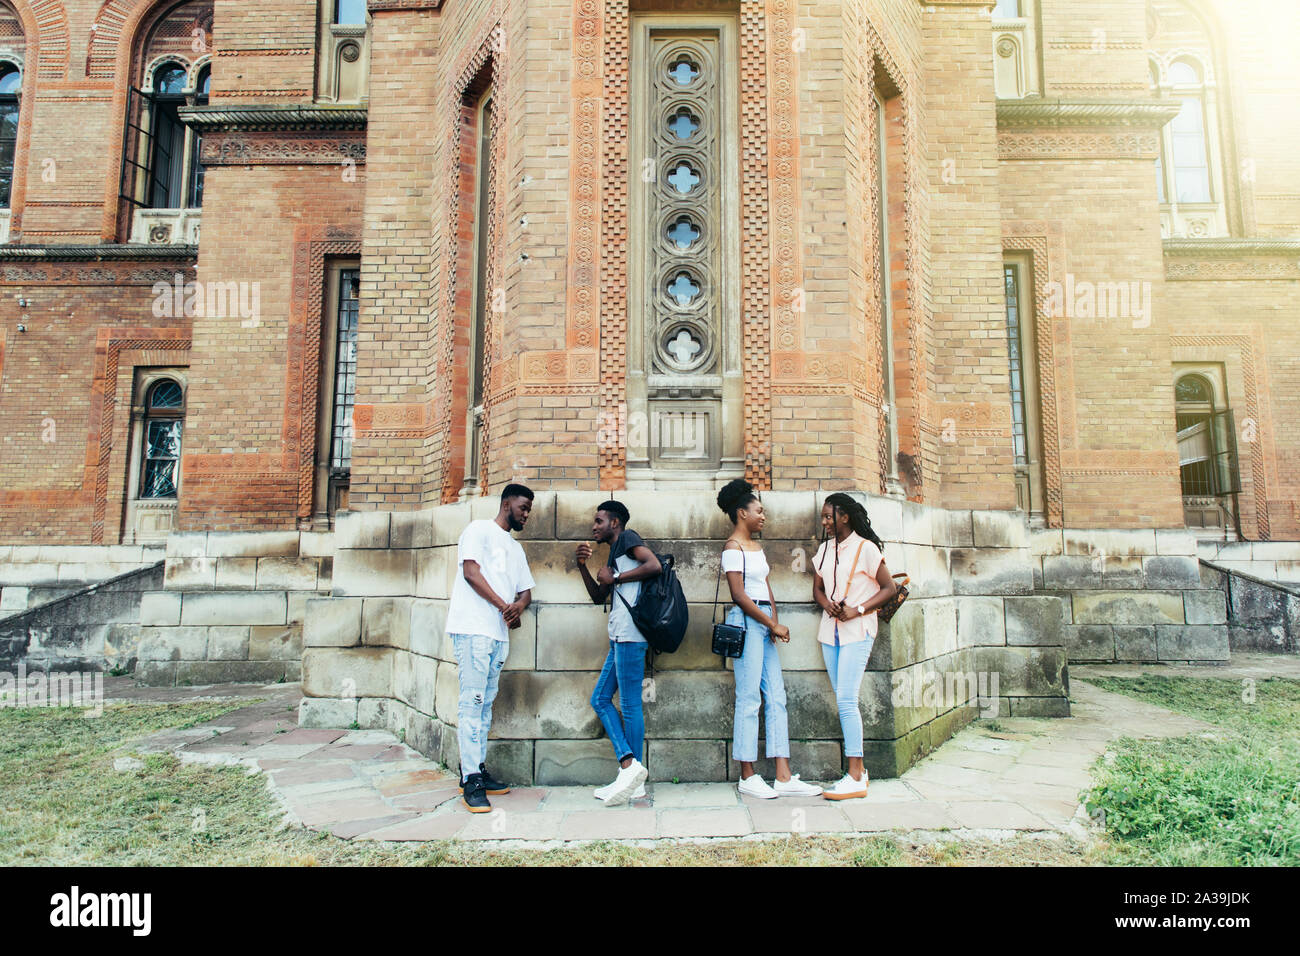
[(1228, 798), (64, 804)]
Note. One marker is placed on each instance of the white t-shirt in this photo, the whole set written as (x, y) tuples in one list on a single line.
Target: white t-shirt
[(505, 568), (754, 566)]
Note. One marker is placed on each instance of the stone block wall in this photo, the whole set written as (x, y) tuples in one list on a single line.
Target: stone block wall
[(230, 606), (1277, 561), (375, 652), (1131, 595), (95, 628), (32, 575), (1262, 615)]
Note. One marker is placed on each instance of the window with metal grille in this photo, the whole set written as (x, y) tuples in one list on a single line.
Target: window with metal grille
[(345, 374), (11, 82), (1011, 275), (164, 423)]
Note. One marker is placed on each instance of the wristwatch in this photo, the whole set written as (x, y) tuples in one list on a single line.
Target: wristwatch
[(861, 609), (616, 573)]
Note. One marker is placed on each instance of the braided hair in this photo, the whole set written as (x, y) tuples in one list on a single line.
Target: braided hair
[(858, 521)]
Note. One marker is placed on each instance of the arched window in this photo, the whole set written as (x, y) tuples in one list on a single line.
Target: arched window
[(1191, 150), (162, 176), (1196, 187), (1160, 157), (167, 162), (1207, 448), (164, 421), (11, 84)]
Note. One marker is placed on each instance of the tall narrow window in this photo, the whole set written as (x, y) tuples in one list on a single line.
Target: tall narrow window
[(482, 294), (885, 293), (196, 165), (337, 392), (1191, 155), (1160, 156), (1026, 437), (350, 12), (1014, 351), (345, 374), (342, 52), (1197, 190), (167, 164), (1207, 449), (164, 421), (1015, 49), (11, 82)]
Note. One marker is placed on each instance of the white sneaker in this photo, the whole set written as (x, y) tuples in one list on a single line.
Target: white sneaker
[(600, 793), (625, 784), (848, 788), (755, 786), (794, 787)]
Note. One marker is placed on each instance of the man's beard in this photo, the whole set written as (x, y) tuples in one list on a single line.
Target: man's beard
[(515, 523)]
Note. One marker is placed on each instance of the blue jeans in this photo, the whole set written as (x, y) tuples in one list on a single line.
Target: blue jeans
[(846, 664), (479, 659), (623, 672), (758, 669)]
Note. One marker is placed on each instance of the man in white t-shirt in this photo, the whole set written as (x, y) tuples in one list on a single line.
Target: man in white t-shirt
[(493, 589)]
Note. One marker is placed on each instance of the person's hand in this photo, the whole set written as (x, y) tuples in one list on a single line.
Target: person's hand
[(513, 613), (780, 632), (583, 552), (517, 624), (605, 576), (848, 612)]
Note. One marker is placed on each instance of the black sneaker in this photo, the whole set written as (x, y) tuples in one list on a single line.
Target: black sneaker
[(494, 787), (491, 786), (475, 796)]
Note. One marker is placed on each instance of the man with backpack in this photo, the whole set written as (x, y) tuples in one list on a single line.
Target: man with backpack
[(630, 562)]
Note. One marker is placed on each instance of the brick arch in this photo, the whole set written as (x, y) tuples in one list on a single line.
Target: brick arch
[(116, 39), (34, 65), (45, 23), (111, 24)]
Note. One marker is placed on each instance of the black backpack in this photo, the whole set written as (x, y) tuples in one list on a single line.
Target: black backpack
[(660, 612)]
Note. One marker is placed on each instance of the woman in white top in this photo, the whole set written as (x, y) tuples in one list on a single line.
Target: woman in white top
[(758, 669)]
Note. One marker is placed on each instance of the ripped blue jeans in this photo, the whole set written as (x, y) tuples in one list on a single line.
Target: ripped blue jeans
[(479, 659)]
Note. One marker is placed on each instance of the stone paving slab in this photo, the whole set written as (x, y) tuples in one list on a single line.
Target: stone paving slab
[(700, 822), (1026, 775), (625, 823)]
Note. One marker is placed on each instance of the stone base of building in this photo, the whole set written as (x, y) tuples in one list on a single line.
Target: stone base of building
[(996, 613), (232, 606), (975, 642)]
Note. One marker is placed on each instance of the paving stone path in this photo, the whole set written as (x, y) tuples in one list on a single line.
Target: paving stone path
[(1017, 775)]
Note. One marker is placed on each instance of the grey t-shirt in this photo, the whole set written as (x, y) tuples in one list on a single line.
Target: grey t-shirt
[(621, 626)]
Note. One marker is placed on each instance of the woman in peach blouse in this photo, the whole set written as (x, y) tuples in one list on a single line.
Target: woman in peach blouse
[(850, 580)]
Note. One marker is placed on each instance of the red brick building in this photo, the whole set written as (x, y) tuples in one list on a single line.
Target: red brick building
[(269, 262)]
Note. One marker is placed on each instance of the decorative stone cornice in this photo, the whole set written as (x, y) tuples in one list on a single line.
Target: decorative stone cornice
[(377, 6), (272, 119), (102, 253), (1036, 111), (1231, 248)]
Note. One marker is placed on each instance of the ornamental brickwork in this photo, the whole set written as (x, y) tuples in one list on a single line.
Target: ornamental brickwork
[(881, 189)]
